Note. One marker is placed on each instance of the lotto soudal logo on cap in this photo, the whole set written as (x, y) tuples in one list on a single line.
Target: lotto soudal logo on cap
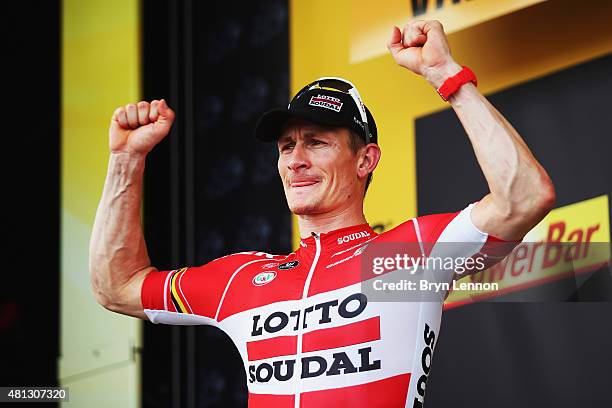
[(326, 101), (355, 235), (264, 278)]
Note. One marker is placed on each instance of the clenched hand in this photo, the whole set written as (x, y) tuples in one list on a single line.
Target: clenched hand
[(137, 128), (422, 48)]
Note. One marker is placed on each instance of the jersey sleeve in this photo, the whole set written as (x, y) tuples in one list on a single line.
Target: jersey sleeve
[(454, 235), (189, 295)]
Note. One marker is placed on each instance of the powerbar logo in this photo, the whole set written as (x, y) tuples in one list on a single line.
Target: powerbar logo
[(353, 236), (327, 102), (341, 362), (572, 240)]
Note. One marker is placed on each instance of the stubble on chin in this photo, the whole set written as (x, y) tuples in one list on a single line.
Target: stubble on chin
[(304, 207)]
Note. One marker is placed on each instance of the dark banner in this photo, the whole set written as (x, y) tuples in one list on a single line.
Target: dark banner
[(530, 354)]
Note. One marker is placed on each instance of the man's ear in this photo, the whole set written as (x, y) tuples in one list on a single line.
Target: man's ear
[(369, 156)]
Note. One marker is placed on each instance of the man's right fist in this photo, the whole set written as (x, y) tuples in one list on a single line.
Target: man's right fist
[(137, 128)]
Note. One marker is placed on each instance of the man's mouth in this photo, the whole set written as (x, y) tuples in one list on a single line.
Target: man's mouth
[(302, 183)]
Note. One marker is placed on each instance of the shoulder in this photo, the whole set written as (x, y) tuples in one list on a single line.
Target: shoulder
[(238, 259), (198, 289), (452, 226), (211, 276)]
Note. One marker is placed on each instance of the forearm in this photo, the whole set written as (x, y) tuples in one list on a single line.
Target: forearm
[(117, 249), (518, 183), (521, 191)]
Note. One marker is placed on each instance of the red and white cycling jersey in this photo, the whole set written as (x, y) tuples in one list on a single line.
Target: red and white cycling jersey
[(307, 334)]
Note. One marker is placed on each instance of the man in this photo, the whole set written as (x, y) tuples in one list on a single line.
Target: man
[(307, 333)]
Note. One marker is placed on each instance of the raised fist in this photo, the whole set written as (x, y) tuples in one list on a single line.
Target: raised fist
[(422, 47), (137, 128)]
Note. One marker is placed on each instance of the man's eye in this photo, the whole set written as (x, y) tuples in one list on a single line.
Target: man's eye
[(317, 142), (286, 147)]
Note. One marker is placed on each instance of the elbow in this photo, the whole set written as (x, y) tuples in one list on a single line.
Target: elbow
[(549, 198), (533, 205), (540, 203), (107, 301), (546, 197), (102, 295), (103, 298)]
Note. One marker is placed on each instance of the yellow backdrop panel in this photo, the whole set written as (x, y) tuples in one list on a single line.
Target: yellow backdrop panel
[(503, 51), (100, 70), (369, 30)]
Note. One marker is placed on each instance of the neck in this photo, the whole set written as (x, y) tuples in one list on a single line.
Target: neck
[(330, 221)]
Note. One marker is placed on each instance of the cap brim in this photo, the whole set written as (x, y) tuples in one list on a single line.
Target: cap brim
[(270, 125)]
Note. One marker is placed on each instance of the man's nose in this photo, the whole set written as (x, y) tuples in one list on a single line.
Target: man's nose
[(299, 158)]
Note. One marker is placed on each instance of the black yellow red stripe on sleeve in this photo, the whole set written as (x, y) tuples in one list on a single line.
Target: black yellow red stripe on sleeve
[(178, 299)]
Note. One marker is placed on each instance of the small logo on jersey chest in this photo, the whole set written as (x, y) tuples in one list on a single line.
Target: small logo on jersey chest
[(263, 278), (270, 265), (288, 265)]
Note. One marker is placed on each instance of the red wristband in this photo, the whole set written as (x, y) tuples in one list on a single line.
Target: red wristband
[(452, 84)]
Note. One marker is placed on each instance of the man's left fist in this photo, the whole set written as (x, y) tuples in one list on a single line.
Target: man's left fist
[(422, 47)]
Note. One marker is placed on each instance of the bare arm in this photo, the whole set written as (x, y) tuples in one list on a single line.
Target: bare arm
[(118, 259), (521, 193)]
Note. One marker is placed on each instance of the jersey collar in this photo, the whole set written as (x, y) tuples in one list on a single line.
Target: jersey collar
[(341, 238)]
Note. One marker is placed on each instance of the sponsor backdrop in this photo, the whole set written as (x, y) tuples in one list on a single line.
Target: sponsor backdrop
[(370, 26), (503, 51), (564, 119), (541, 354)]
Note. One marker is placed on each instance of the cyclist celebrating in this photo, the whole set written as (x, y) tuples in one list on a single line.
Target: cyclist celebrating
[(308, 335)]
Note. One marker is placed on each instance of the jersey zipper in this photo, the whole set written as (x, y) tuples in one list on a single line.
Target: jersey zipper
[(298, 357)]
